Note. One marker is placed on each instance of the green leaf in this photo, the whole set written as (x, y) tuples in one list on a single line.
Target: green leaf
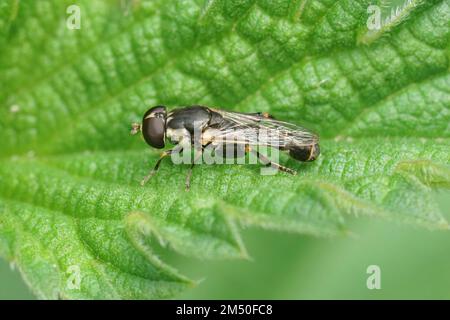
[(75, 220)]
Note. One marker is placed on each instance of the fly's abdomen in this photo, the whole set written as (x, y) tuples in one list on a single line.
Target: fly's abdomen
[(230, 151), (304, 153)]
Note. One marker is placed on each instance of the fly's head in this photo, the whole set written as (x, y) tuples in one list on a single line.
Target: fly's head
[(153, 127)]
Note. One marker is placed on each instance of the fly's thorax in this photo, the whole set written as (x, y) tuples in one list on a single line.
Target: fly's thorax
[(304, 153), (177, 135), (215, 119), (189, 118)]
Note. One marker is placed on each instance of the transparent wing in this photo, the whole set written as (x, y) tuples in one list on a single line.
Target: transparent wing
[(257, 129)]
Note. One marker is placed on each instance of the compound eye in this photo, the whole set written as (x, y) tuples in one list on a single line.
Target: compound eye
[(154, 127)]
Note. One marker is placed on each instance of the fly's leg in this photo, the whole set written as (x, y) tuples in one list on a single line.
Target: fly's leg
[(275, 165), (155, 169), (197, 155)]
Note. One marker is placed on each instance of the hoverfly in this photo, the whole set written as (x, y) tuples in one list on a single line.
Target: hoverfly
[(221, 128)]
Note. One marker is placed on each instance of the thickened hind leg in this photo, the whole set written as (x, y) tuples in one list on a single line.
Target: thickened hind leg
[(274, 165)]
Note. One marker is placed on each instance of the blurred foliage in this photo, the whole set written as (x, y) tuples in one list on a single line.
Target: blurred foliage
[(414, 265)]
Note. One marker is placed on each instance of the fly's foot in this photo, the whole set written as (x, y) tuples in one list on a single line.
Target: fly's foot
[(287, 170), (188, 180), (148, 177), (282, 168)]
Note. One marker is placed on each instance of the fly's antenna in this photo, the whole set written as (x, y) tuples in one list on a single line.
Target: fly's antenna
[(135, 128)]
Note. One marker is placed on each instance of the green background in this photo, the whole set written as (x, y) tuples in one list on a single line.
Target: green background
[(414, 262)]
